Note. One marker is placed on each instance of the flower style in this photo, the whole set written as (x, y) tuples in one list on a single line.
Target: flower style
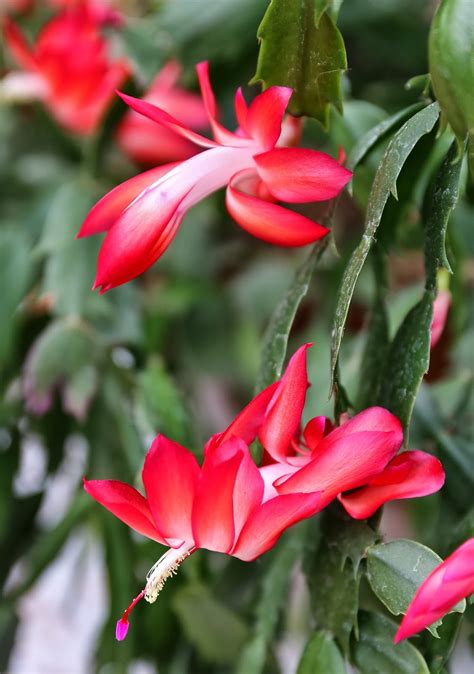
[(142, 215), (358, 455), (68, 69), (149, 143), (219, 506), (445, 586)]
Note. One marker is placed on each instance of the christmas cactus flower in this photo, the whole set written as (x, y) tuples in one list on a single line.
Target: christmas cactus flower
[(149, 143), (68, 69), (446, 585), (142, 215), (359, 455), (219, 506)]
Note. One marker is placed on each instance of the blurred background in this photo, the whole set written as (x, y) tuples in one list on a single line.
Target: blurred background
[(88, 380)]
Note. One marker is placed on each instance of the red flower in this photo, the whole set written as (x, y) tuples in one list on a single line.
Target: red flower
[(219, 506), (446, 585), (68, 68), (101, 11), (142, 215), (149, 143), (358, 455)]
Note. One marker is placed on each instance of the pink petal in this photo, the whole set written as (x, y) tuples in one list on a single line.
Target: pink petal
[(265, 116), (269, 521), (170, 476), (441, 307), (241, 110), (438, 594), (247, 424), (160, 116), (268, 221), (408, 475), (222, 135), (126, 503), (106, 211), (273, 472), (298, 175), (350, 456), (284, 412), (213, 511)]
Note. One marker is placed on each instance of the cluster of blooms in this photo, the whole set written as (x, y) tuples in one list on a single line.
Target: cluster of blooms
[(228, 504), (232, 506)]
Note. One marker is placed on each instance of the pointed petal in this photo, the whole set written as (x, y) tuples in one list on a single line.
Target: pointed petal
[(248, 491), (17, 45), (298, 175), (106, 211), (126, 503), (241, 110), (350, 456), (408, 475), (269, 521), (268, 221), (437, 594), (265, 116), (246, 425), (286, 407), (222, 135), (213, 511), (170, 476), (161, 117), (314, 431)]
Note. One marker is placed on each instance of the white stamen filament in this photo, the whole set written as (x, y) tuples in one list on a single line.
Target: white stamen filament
[(163, 569)]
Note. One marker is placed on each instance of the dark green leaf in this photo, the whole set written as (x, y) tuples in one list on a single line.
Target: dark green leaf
[(304, 50), (375, 652), (275, 340), (396, 569), (216, 632), (377, 133), (408, 360), (384, 183), (439, 203), (273, 595), (321, 656)]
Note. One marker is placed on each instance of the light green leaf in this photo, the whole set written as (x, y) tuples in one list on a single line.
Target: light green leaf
[(302, 49), (374, 652), (216, 632), (395, 570), (275, 340), (321, 656), (384, 183)]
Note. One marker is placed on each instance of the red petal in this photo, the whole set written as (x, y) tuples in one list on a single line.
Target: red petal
[(247, 424), (269, 521), (106, 211), (408, 475), (265, 115), (170, 476), (241, 110), (314, 431), (438, 594), (350, 456), (222, 135), (213, 511), (248, 491), (268, 221), (286, 407), (126, 503), (18, 46), (298, 175), (162, 117)]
